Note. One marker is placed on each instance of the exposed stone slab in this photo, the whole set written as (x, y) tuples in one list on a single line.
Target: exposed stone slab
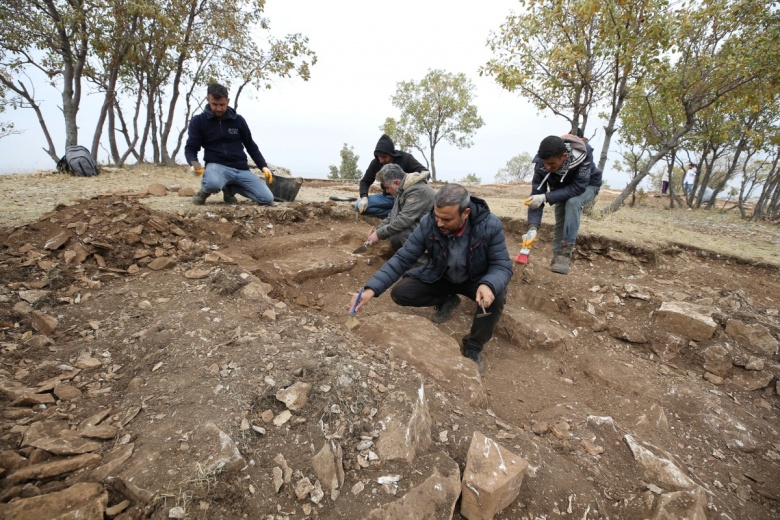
[(53, 468), (308, 263), (531, 329), (328, 466), (55, 437), (689, 504), (433, 353), (531, 300), (750, 380), (630, 332), (406, 431), (113, 460), (223, 454), (433, 499), (164, 262), (84, 501), (717, 360), (687, 320), (43, 323), (492, 478), (755, 338), (659, 469)]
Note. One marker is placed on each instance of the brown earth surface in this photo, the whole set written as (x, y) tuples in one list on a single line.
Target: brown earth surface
[(152, 318)]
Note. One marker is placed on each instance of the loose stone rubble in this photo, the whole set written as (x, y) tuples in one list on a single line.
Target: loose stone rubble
[(311, 421)]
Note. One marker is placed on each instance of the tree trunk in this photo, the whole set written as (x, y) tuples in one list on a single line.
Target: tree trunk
[(433, 166), (112, 146), (670, 144), (168, 124), (21, 89)]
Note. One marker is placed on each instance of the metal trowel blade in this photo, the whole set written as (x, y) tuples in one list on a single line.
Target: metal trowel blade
[(352, 322), (361, 249)]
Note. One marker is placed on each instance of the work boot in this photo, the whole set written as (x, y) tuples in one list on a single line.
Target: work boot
[(554, 256), (229, 197), (563, 259), (468, 350), (199, 199), (445, 310)]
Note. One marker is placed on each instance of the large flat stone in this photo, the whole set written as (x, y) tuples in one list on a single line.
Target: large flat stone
[(431, 352), (54, 468), (55, 437), (755, 338), (307, 263), (687, 320), (531, 329), (84, 501)]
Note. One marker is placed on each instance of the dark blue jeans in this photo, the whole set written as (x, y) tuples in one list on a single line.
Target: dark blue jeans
[(243, 182), (379, 205)]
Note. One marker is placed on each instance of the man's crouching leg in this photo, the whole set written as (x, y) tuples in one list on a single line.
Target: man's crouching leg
[(411, 292), (482, 330)]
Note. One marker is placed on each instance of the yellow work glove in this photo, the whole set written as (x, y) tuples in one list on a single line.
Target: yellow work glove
[(197, 169), (269, 178)]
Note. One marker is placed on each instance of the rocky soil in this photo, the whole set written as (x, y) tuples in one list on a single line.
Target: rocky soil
[(160, 360)]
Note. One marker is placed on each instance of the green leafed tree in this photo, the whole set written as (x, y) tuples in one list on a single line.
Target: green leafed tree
[(348, 169), (471, 178), (158, 53), (518, 169), (601, 51), (438, 108), (723, 48)]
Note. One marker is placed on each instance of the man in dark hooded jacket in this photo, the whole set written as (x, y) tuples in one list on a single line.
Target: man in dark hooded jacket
[(467, 255), (379, 205), (564, 176)]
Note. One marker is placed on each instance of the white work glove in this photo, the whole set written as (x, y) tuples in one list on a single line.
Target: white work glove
[(363, 204), (529, 237), (534, 201)]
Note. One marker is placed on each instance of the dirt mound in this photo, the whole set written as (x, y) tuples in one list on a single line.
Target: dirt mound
[(152, 343)]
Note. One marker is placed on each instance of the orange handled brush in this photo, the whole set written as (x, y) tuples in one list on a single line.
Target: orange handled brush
[(525, 250)]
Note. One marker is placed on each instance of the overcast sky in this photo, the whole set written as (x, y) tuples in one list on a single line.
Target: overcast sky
[(364, 49)]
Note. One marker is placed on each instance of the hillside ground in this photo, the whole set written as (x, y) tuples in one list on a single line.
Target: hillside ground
[(179, 347)]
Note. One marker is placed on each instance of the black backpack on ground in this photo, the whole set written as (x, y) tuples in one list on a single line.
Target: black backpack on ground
[(78, 161)]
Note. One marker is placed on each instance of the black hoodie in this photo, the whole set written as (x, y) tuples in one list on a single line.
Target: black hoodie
[(405, 160)]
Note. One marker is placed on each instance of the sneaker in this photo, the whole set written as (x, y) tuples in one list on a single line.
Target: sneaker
[(445, 310), (199, 199), (476, 357)]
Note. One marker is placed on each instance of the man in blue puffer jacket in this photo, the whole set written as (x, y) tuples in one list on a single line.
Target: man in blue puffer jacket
[(467, 255), (223, 134)]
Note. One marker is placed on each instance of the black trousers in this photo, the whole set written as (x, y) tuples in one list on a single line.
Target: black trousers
[(411, 292)]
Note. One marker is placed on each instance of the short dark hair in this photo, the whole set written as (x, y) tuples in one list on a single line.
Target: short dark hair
[(389, 173), (551, 146), (217, 91), (451, 195)]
